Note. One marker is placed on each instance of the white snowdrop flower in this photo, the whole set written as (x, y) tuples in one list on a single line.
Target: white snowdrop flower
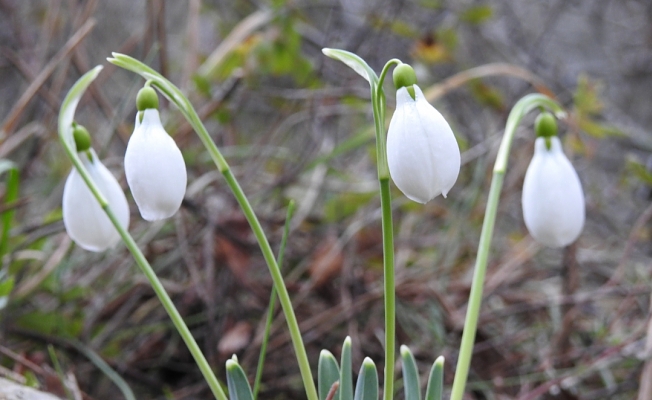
[(553, 200), (85, 221), (422, 153), (154, 166)]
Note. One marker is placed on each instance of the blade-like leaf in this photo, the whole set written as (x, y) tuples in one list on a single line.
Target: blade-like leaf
[(346, 376), (6, 286), (327, 374), (367, 386), (236, 379), (410, 375), (354, 62), (272, 302), (435, 390), (11, 195)]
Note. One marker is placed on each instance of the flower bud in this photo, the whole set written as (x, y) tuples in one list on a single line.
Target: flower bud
[(553, 200), (82, 137), (545, 125), (85, 221), (146, 98), (422, 153), (404, 76), (155, 170)]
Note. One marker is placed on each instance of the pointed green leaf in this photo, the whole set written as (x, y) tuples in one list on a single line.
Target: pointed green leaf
[(435, 390), (410, 375), (354, 62), (327, 374), (346, 376), (236, 379), (367, 386), (11, 195), (6, 286)]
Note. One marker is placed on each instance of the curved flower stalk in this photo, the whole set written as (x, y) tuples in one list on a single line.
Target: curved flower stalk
[(522, 107), (553, 200), (85, 221), (154, 166), (422, 153)]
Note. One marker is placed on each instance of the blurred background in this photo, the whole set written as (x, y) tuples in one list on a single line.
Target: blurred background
[(555, 324)]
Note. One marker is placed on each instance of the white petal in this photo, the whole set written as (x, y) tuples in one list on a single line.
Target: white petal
[(422, 153), (84, 219), (553, 200), (155, 170)]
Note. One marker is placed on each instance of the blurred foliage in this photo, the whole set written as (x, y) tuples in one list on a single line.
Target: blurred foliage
[(477, 15), (588, 107)]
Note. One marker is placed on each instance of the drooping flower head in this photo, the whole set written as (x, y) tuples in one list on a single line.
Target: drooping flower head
[(154, 166), (422, 153), (553, 200), (85, 221)]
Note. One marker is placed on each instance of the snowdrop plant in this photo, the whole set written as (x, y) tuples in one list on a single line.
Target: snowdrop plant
[(154, 166), (83, 217), (113, 212), (553, 200), (521, 108), (420, 154)]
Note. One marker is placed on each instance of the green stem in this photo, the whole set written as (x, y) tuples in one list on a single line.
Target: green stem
[(390, 291), (521, 108), (176, 96), (272, 301), (378, 104), (283, 295), (167, 303)]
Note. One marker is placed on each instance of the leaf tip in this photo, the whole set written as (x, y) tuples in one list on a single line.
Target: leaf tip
[(231, 365), (325, 353), (440, 361), (368, 362)]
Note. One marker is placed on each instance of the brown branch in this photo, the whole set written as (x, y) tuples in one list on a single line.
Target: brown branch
[(333, 390), (436, 91), (12, 119)]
